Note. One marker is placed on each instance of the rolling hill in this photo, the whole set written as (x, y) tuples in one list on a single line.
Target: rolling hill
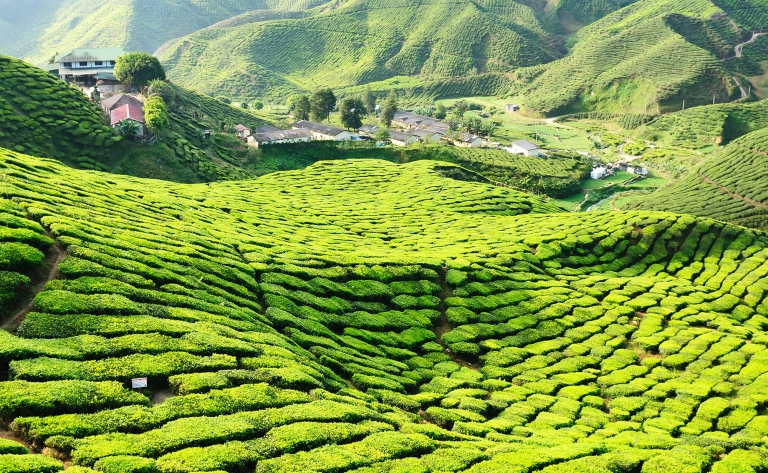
[(732, 186), (43, 116), (372, 317), (646, 56), (707, 125), (366, 41), (37, 29)]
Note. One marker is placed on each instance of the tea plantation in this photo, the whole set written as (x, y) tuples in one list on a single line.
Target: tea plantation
[(373, 317), (730, 186)]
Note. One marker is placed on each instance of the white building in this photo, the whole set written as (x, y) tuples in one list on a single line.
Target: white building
[(598, 172), (526, 148), (86, 66)]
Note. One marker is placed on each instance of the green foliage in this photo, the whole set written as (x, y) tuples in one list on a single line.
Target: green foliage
[(388, 110), (728, 187), (322, 102), (156, 114), (138, 69)]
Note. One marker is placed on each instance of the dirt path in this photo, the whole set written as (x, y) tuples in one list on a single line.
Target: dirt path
[(738, 49), (732, 194), (52, 261), (744, 94), (443, 325)]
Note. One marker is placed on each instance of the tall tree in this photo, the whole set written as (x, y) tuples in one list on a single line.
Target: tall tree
[(460, 108), (369, 100), (138, 69), (389, 110), (321, 104), (156, 114), (302, 108), (440, 112), (352, 111)]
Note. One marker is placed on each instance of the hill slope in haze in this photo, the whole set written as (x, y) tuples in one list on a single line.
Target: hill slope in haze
[(369, 317), (363, 41), (37, 29), (732, 186), (644, 57)]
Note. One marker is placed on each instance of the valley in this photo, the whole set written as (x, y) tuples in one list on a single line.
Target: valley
[(384, 236)]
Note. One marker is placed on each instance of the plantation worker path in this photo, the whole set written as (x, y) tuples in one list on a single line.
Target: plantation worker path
[(51, 266), (738, 49)]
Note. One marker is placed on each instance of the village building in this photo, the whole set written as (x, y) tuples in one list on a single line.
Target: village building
[(128, 112), (300, 135), (369, 130), (242, 131), (465, 140), (399, 138), (266, 128), (323, 132), (410, 121), (525, 147), (598, 172), (510, 107), (86, 66), (425, 135), (118, 100)]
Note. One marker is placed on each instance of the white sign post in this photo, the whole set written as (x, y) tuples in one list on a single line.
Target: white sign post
[(139, 383)]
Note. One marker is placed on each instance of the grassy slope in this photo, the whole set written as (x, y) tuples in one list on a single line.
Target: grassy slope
[(41, 115), (713, 124), (617, 342), (362, 41), (38, 31), (633, 60), (730, 186)]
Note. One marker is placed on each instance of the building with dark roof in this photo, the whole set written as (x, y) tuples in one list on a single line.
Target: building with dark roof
[(86, 66), (323, 132), (298, 135)]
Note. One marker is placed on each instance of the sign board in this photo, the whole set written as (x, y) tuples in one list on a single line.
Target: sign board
[(138, 383)]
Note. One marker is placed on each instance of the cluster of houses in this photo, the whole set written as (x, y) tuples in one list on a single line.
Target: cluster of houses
[(411, 128), (609, 169)]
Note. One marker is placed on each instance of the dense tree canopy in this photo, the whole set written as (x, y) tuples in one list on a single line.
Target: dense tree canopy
[(389, 109), (156, 114), (321, 104), (352, 111), (138, 69), (301, 108)]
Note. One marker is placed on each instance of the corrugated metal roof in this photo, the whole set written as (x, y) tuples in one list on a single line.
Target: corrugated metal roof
[(90, 54)]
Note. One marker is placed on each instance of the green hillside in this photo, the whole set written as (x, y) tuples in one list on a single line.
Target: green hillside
[(42, 116), (645, 58), (707, 125), (362, 41), (566, 57), (372, 317), (730, 186), (37, 29)]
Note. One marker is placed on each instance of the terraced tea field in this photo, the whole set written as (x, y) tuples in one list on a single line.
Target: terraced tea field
[(372, 317), (729, 186)]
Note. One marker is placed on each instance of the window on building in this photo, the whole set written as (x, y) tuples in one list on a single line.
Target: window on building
[(99, 63), (111, 63), (67, 64), (83, 64)]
